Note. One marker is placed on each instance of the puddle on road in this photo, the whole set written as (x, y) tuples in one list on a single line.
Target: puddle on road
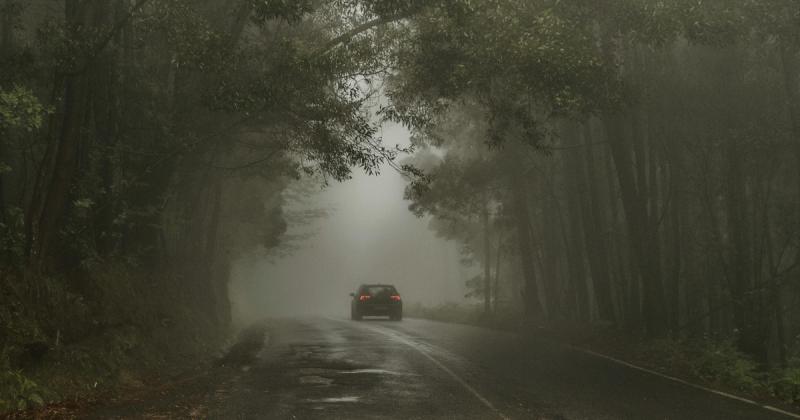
[(313, 371), (347, 399), (378, 372), (315, 380)]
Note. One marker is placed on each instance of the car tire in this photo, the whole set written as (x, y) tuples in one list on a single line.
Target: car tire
[(397, 316)]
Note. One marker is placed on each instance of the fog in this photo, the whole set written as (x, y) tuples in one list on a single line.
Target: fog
[(367, 236), (192, 190)]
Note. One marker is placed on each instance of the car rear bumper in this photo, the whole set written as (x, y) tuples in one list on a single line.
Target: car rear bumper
[(379, 309)]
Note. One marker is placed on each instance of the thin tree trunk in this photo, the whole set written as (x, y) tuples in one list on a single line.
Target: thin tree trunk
[(640, 233), (531, 303), (745, 298), (628, 307), (487, 264), (677, 208), (6, 47), (596, 247), (2, 189), (212, 231), (576, 247), (497, 272)]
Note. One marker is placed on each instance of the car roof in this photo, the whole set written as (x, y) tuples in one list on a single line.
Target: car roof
[(377, 285)]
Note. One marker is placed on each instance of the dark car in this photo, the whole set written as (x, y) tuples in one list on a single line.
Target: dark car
[(376, 300)]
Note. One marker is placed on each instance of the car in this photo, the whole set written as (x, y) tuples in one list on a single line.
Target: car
[(376, 300)]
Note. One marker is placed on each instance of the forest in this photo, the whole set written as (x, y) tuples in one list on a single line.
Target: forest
[(633, 164)]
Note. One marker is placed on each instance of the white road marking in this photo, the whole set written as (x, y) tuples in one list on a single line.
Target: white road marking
[(486, 402), (398, 337), (377, 371), (683, 382)]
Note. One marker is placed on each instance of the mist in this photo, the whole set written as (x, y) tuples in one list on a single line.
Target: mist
[(428, 209), (367, 236)]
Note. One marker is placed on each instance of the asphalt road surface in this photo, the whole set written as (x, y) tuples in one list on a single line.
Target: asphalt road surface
[(324, 368)]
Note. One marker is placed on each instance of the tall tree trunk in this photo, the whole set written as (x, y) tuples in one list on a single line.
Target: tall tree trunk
[(497, 259), (576, 246), (531, 303), (7, 27), (57, 192), (50, 202), (212, 231), (788, 55), (593, 223), (629, 309), (677, 209), (751, 337), (558, 256), (487, 263), (110, 86), (2, 189), (642, 237), (6, 48)]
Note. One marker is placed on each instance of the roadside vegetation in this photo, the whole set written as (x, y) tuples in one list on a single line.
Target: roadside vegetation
[(626, 163), (631, 165), (709, 361), (144, 146)]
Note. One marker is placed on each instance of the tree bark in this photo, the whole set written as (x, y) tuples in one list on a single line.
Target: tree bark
[(497, 272), (576, 247), (593, 222), (51, 198), (788, 56), (642, 236), (751, 337), (57, 192), (487, 264), (6, 48), (531, 303)]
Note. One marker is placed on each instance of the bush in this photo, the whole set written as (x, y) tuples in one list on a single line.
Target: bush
[(785, 384), (18, 392), (667, 353), (715, 362), (720, 362), (447, 312)]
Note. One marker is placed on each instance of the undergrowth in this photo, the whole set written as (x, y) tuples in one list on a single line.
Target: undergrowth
[(60, 339), (716, 362)]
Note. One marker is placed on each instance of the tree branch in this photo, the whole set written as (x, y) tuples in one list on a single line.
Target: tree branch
[(118, 25), (364, 27), (250, 164)]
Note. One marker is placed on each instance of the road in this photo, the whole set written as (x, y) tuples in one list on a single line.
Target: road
[(326, 368)]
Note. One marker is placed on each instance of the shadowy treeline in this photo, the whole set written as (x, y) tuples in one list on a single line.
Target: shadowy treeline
[(144, 145), (626, 162)]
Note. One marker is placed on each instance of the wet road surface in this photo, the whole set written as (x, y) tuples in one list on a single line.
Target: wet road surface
[(327, 368)]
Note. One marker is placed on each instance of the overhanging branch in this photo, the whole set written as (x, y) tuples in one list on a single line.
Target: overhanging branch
[(364, 27)]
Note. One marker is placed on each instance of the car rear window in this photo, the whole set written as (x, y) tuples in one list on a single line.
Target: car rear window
[(379, 291)]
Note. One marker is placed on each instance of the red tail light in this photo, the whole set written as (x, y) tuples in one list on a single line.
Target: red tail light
[(395, 298), (363, 297)]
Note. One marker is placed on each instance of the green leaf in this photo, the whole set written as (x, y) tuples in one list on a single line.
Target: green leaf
[(36, 399)]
